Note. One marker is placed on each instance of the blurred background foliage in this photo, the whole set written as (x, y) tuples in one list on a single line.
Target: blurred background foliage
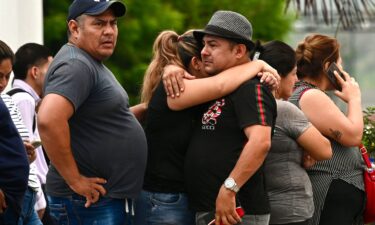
[(369, 130), (145, 19)]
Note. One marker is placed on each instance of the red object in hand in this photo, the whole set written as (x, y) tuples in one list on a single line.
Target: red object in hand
[(239, 211)]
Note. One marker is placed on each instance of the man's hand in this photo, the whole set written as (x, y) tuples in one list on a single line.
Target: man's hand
[(3, 204), (91, 188), (226, 208), (30, 150), (173, 80), (41, 212)]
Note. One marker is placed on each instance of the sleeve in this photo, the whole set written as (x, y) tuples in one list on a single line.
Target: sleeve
[(16, 117), (254, 105), (73, 80), (26, 107), (40, 202), (292, 120)]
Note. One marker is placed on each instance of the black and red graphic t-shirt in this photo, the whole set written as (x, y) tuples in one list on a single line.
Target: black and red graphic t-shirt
[(217, 143)]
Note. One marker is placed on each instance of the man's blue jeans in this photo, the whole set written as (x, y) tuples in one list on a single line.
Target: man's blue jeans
[(153, 208), (28, 214), (107, 211)]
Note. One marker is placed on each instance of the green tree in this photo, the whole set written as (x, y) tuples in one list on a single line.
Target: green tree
[(147, 18)]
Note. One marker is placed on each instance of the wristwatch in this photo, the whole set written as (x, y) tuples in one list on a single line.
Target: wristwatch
[(230, 184)]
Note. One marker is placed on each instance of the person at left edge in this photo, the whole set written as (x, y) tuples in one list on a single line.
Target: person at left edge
[(96, 146), (14, 165)]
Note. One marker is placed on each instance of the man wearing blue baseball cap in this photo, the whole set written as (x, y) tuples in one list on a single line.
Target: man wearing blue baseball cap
[(96, 146)]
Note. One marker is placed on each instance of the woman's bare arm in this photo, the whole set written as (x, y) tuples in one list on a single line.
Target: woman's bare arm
[(323, 113), (315, 144), (198, 91)]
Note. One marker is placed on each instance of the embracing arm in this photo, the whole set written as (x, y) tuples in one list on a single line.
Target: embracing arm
[(315, 144), (53, 117), (139, 111), (203, 90), (250, 160)]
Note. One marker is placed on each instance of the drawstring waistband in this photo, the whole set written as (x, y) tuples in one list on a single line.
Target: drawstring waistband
[(129, 206)]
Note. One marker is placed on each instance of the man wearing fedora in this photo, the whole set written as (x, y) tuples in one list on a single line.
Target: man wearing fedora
[(227, 150), (96, 146)]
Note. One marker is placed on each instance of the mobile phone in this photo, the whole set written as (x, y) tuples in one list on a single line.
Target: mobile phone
[(211, 216), (331, 76), (36, 143)]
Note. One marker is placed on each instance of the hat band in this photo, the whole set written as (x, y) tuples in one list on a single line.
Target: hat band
[(224, 32)]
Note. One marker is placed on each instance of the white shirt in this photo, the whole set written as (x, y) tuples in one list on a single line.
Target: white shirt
[(26, 102)]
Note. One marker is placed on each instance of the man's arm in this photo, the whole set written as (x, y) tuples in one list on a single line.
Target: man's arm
[(251, 158), (53, 117)]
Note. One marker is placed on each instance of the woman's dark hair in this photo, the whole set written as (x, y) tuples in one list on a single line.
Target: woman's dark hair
[(169, 48), (277, 54), (6, 52), (314, 52), (187, 48)]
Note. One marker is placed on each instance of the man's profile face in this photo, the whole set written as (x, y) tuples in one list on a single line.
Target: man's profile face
[(41, 72), (5, 70), (218, 54), (97, 35)]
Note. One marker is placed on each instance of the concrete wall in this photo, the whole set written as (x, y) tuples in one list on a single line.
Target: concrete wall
[(21, 22)]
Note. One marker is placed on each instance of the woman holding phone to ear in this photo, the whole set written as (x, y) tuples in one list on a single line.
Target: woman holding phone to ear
[(337, 183)]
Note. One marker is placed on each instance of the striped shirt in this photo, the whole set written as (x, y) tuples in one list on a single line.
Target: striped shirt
[(24, 133), (346, 164)]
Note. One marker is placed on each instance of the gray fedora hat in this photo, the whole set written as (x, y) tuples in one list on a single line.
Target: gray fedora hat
[(229, 25)]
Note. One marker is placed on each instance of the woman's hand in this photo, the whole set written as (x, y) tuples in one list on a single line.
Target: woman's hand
[(350, 88), (173, 80), (307, 161), (269, 76)]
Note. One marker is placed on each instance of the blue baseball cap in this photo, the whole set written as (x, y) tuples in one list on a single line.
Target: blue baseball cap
[(95, 7)]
